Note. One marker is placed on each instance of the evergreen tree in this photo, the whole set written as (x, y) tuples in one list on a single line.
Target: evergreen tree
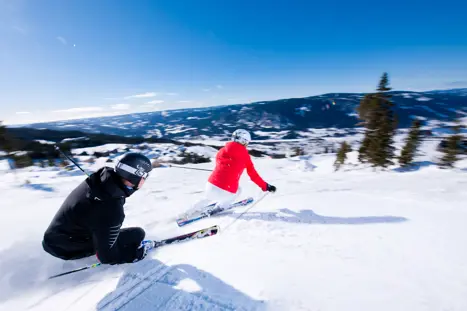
[(411, 144), (4, 141), (342, 155), (298, 151), (2, 130), (362, 151), (23, 161), (381, 151), (384, 84), (367, 111), (452, 149), (380, 123), (366, 107)]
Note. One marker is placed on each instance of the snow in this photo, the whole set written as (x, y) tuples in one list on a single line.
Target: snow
[(302, 163), (155, 132), (423, 99), (202, 150), (277, 140), (4, 165), (19, 153), (103, 148), (272, 134), (354, 239), (199, 118), (304, 108), (212, 142), (45, 142), (74, 139), (100, 162), (66, 125)]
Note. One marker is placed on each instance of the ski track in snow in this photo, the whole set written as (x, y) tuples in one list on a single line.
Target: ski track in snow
[(325, 241)]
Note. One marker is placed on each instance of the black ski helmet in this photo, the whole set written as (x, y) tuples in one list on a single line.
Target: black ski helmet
[(133, 167)]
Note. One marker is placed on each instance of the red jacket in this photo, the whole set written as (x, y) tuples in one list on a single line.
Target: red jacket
[(231, 161)]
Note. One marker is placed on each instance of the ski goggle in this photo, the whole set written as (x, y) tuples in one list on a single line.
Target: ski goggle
[(139, 171)]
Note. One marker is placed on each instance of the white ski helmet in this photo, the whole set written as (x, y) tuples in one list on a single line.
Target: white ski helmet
[(241, 136)]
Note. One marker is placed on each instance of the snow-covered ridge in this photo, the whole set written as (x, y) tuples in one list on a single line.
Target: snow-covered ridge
[(295, 114)]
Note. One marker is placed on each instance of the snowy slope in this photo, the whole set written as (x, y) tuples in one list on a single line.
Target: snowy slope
[(348, 240)]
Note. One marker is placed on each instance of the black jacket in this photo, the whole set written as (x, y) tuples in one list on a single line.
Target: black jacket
[(90, 218)]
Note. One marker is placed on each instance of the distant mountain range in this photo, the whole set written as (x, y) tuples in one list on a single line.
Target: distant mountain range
[(286, 118)]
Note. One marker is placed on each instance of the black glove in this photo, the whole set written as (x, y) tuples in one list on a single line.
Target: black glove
[(270, 188)]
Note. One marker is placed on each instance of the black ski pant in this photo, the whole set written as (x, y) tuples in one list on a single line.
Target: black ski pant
[(68, 247)]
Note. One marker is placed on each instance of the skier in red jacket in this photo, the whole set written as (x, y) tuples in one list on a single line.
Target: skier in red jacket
[(223, 184)]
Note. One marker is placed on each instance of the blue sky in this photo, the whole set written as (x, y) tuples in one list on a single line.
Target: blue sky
[(79, 58)]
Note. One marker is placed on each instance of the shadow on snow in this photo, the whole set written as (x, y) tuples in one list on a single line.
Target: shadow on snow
[(25, 268), (414, 167), (145, 285), (152, 285), (40, 187), (310, 217)]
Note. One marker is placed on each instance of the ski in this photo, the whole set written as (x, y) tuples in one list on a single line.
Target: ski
[(198, 234), (182, 221)]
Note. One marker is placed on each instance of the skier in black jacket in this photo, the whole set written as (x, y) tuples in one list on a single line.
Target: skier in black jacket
[(89, 221)]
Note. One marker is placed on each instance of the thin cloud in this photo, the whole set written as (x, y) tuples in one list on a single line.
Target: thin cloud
[(143, 95), (152, 103), (23, 112), (155, 102), (206, 90), (79, 109), (121, 107), (185, 101), (62, 40), (219, 86)]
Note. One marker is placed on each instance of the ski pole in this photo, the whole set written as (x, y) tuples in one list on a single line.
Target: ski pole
[(57, 148), (238, 217), (76, 270), (189, 168)]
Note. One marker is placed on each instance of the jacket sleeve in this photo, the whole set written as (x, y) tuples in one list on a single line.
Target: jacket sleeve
[(254, 176), (106, 231)]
